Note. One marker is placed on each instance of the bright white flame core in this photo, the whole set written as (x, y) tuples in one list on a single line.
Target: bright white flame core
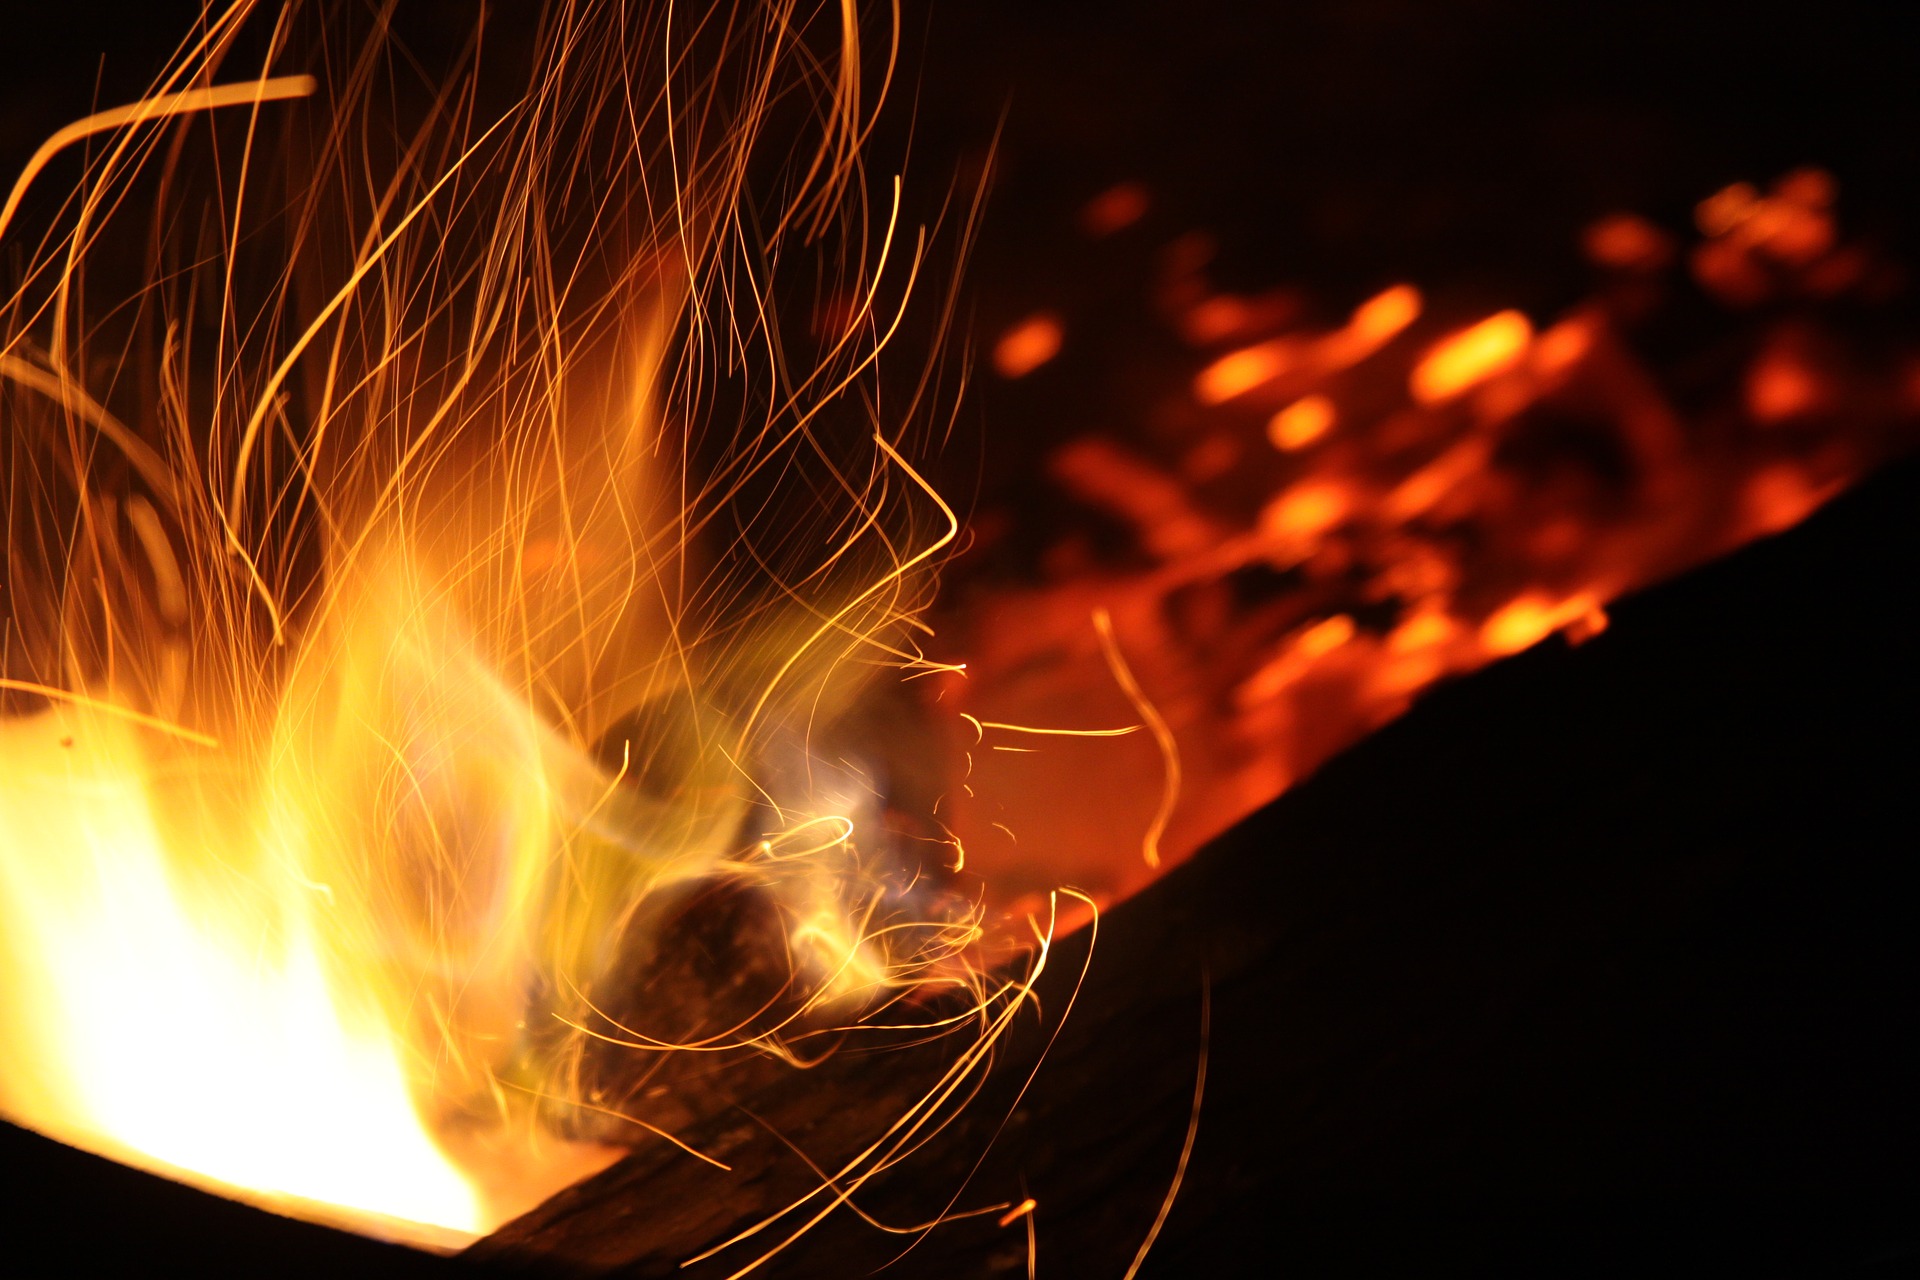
[(230, 1011)]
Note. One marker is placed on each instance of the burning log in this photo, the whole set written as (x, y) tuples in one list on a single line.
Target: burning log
[(504, 757), (1594, 958)]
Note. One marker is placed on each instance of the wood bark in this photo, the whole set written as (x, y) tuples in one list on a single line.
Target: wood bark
[(1596, 958)]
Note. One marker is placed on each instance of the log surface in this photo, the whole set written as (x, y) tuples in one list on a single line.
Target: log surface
[(1598, 957)]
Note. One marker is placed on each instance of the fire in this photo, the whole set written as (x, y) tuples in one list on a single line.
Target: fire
[(1326, 517), (389, 642), (156, 1023)]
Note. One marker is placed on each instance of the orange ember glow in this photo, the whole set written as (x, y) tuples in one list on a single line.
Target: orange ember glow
[(1470, 357), (1327, 520), (1527, 621), (1236, 374), (1115, 209), (1028, 345), (443, 565), (1301, 423), (1381, 317), (1627, 242)]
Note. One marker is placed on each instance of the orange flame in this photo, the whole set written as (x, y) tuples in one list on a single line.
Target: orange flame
[(378, 683)]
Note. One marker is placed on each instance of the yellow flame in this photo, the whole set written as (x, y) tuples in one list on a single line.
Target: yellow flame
[(379, 667), (146, 1018)]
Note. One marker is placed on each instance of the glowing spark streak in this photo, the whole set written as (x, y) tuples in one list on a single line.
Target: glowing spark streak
[(138, 453), (1162, 735), (1121, 732), (904, 1130), (868, 1218), (895, 575), (737, 478), (269, 394), (1044, 941), (655, 1130), (1186, 1147), (113, 709), (1016, 1213), (145, 111)]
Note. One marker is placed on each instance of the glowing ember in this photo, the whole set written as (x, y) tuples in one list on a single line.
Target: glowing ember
[(1301, 423), (1115, 209), (1028, 345), (1405, 496), (1470, 357)]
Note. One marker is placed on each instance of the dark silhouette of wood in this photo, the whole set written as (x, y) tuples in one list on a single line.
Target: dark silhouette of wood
[(1599, 957)]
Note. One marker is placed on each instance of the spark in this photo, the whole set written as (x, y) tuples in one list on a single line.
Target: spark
[(1156, 723)]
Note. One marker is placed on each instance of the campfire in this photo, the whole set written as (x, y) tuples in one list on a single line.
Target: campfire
[(504, 675), (397, 650)]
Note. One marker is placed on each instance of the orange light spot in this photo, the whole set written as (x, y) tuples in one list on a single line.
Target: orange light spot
[(1809, 188), (1468, 358), (1295, 659), (1028, 345), (1407, 673), (1725, 209), (1563, 346), (1781, 497), (1587, 625), (1384, 315), (1018, 1212), (1324, 637), (1729, 273), (1374, 323), (1531, 618), (1425, 630), (1301, 423), (1218, 318), (1627, 242), (1109, 476), (1422, 490), (1240, 372), (1306, 510), (1115, 209), (1779, 387), (1212, 458), (1793, 234)]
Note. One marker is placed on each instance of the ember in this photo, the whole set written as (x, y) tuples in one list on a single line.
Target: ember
[(1339, 516), (475, 684)]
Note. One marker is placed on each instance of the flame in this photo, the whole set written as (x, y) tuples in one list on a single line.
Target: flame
[(146, 1019), (377, 673)]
